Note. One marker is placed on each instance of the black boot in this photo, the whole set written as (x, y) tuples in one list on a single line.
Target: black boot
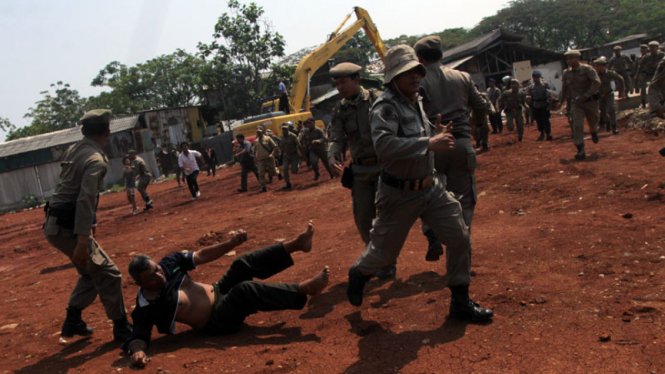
[(580, 155), (435, 249), (462, 307), (389, 271), (357, 282), (74, 325), (594, 137), (122, 330), (614, 129), (287, 186), (644, 104)]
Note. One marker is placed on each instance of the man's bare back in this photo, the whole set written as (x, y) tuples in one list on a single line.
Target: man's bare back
[(195, 303)]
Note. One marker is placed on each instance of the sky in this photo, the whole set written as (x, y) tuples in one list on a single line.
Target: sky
[(48, 41)]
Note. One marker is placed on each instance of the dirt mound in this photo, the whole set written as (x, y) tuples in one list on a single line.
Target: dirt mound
[(641, 119)]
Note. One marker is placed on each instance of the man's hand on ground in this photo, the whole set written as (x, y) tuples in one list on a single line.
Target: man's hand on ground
[(139, 359), (335, 167), (237, 237)]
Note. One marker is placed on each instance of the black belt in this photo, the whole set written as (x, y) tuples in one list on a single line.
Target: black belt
[(409, 185), (367, 161)]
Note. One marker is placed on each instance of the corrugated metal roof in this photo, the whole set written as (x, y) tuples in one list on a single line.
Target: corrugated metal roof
[(61, 137), (476, 45), (456, 63), (628, 38)]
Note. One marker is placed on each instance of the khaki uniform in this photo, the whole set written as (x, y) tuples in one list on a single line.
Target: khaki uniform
[(608, 110), (317, 150), (263, 147), (657, 88), (623, 66), (582, 82), (514, 103), (141, 171), (401, 133), (350, 122), (290, 158), (481, 132), (494, 93), (641, 83), (647, 67), (84, 166)]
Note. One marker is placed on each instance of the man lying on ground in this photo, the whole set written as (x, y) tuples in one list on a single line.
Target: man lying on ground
[(167, 294)]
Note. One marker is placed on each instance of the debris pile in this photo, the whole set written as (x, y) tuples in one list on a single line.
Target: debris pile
[(641, 119)]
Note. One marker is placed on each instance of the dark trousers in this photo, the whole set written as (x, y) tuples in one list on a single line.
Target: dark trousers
[(246, 169), (284, 103), (212, 167), (542, 117), (237, 295), (192, 184), (495, 121)]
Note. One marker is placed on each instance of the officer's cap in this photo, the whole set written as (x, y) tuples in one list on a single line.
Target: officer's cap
[(514, 81), (600, 61), (432, 42), (287, 125), (573, 53), (644, 46), (96, 117), (131, 152), (617, 48), (654, 44), (536, 73), (401, 59), (345, 69), (259, 129), (492, 80), (506, 78), (310, 120), (268, 131)]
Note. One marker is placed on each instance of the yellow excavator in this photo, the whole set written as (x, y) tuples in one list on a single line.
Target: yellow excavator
[(304, 72)]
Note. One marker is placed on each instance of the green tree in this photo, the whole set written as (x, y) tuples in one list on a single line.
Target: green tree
[(358, 50), (53, 112), (243, 49), (6, 125)]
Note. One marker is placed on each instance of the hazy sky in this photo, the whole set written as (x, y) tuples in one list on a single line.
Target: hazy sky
[(66, 40)]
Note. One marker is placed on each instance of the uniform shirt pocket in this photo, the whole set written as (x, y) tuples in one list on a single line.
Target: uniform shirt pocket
[(411, 127)]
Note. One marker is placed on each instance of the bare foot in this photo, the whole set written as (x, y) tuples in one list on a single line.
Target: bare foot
[(316, 285), (303, 242)]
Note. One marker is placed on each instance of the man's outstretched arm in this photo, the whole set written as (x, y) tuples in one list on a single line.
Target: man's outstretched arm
[(213, 252)]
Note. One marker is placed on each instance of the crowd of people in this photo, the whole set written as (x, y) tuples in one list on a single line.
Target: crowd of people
[(413, 158)]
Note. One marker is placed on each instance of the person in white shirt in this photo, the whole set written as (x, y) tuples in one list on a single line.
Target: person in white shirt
[(189, 166)]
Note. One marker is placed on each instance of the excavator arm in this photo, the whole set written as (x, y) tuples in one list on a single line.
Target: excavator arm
[(313, 61)]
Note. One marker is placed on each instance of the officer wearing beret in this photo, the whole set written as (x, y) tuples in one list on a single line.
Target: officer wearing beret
[(290, 150), (582, 83), (409, 188), (316, 144), (265, 149), (452, 94), (513, 102), (539, 98), (350, 124), (639, 76), (608, 109), (623, 65), (144, 177), (493, 94), (68, 225)]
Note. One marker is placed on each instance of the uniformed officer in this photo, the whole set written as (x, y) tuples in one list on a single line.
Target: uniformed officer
[(265, 150), (494, 93), (513, 102), (608, 110), (144, 177), (316, 143), (68, 225), (539, 98), (481, 132), (244, 154), (582, 83), (649, 63), (408, 187), (452, 94), (350, 124), (639, 76), (622, 65), (657, 91), (290, 148)]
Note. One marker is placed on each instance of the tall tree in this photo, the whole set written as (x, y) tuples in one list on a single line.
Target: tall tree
[(6, 125), (56, 111), (358, 50), (243, 48)]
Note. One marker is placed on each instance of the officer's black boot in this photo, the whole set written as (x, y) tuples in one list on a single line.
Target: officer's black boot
[(357, 282), (644, 104), (389, 271), (614, 129), (462, 307), (74, 325), (435, 249), (594, 137), (580, 155), (122, 330)]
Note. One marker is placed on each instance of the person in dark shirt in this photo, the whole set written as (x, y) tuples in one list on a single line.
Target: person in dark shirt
[(167, 294), (244, 154), (210, 159)]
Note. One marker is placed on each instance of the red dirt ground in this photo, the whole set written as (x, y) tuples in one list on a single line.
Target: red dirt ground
[(555, 256)]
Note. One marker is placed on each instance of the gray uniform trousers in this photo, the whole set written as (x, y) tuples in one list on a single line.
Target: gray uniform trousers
[(100, 276), (142, 186), (363, 192), (608, 110), (292, 162), (398, 210)]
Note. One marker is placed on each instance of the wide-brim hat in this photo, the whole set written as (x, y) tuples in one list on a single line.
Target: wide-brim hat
[(401, 59)]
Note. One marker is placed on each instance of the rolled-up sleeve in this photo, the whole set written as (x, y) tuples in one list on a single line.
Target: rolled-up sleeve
[(388, 145)]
